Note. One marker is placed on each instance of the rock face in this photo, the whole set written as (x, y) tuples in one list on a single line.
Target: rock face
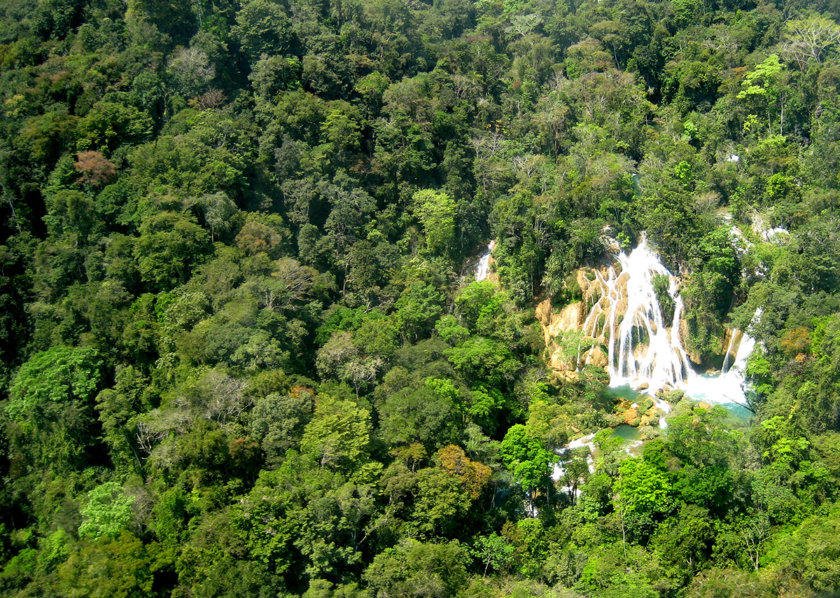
[(553, 325), (631, 417), (597, 357)]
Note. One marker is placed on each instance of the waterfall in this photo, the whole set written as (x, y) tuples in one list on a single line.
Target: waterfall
[(642, 342), (730, 385), (644, 351), (483, 268), (731, 350)]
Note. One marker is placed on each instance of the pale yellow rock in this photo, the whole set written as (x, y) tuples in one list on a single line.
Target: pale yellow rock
[(543, 312), (597, 357)]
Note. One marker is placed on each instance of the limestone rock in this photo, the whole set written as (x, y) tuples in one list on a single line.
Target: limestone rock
[(597, 357)]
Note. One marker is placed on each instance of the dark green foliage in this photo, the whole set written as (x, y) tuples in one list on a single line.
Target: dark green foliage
[(242, 352)]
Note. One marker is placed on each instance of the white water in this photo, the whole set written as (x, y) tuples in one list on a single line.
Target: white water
[(644, 351), (483, 268), (730, 385), (559, 469), (628, 304)]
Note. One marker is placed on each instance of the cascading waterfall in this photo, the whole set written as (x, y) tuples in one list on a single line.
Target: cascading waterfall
[(643, 352), (483, 268)]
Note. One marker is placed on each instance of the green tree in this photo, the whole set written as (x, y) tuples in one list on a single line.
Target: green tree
[(436, 213), (168, 246), (50, 407), (338, 434), (528, 461), (106, 513), (120, 567), (412, 568)]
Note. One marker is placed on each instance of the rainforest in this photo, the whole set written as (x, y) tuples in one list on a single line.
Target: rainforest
[(420, 298)]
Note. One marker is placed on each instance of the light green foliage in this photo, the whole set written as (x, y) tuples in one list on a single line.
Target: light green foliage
[(412, 568), (809, 553), (758, 81), (121, 566), (59, 375), (338, 434), (483, 359), (493, 551), (106, 513), (417, 309), (642, 488), (762, 89), (436, 213), (526, 458), (109, 124), (439, 502)]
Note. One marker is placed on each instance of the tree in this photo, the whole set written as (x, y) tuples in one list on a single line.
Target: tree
[(342, 358), (106, 513), (418, 415), (436, 213), (219, 212), (493, 551), (338, 434), (277, 421), (110, 124), (414, 568), (763, 88), (528, 461), (262, 27), (418, 307), (440, 501), (642, 488), (94, 168), (119, 567), (191, 71), (169, 245), (809, 39), (472, 475), (50, 406)]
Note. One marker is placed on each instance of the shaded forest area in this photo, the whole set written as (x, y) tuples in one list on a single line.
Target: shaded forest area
[(240, 350)]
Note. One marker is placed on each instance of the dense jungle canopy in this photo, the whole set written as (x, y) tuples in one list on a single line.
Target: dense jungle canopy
[(242, 352)]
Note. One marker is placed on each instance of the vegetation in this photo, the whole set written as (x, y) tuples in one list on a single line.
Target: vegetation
[(240, 352)]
